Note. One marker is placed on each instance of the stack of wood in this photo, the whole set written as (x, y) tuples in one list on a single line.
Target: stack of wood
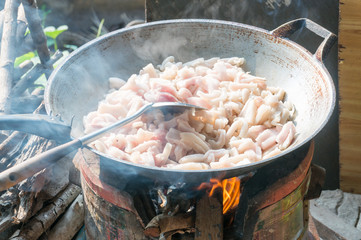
[(47, 205)]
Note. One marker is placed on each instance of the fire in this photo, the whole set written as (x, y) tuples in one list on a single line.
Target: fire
[(230, 189)]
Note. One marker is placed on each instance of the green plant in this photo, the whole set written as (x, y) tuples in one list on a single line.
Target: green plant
[(100, 27), (52, 33)]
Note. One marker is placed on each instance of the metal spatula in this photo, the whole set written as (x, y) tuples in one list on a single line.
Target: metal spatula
[(16, 174)]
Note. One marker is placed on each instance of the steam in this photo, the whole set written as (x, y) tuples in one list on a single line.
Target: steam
[(160, 47), (267, 14)]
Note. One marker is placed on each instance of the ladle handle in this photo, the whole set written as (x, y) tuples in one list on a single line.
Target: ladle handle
[(287, 29), (19, 172)]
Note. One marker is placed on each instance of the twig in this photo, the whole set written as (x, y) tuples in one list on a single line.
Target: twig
[(8, 50), (47, 216), (36, 30), (69, 224), (22, 69), (28, 80)]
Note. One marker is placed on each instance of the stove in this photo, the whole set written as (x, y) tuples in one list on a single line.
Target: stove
[(271, 203)]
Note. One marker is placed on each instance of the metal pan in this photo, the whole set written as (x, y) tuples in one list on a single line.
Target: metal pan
[(80, 82)]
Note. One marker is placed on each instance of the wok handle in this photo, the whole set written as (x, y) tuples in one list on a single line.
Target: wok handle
[(37, 124), (19, 172), (287, 29)]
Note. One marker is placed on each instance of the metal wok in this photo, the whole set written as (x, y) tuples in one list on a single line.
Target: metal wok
[(80, 82)]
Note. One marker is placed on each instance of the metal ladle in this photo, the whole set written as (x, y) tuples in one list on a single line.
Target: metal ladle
[(17, 173)]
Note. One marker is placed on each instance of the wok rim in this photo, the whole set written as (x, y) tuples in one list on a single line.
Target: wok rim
[(238, 169)]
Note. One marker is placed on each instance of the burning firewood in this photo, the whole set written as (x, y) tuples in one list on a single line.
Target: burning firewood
[(47, 216), (164, 224)]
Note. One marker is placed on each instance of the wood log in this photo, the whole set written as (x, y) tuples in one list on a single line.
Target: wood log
[(36, 30), (10, 147), (163, 224), (8, 205), (209, 218), (47, 216), (69, 224), (144, 205), (8, 51)]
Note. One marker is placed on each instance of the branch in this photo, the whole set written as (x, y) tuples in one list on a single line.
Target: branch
[(23, 68), (1, 22), (36, 30), (22, 26), (28, 80), (8, 51)]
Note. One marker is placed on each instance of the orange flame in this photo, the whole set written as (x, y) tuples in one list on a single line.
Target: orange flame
[(230, 189)]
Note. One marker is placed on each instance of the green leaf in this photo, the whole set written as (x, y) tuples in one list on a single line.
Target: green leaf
[(21, 59), (53, 32)]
